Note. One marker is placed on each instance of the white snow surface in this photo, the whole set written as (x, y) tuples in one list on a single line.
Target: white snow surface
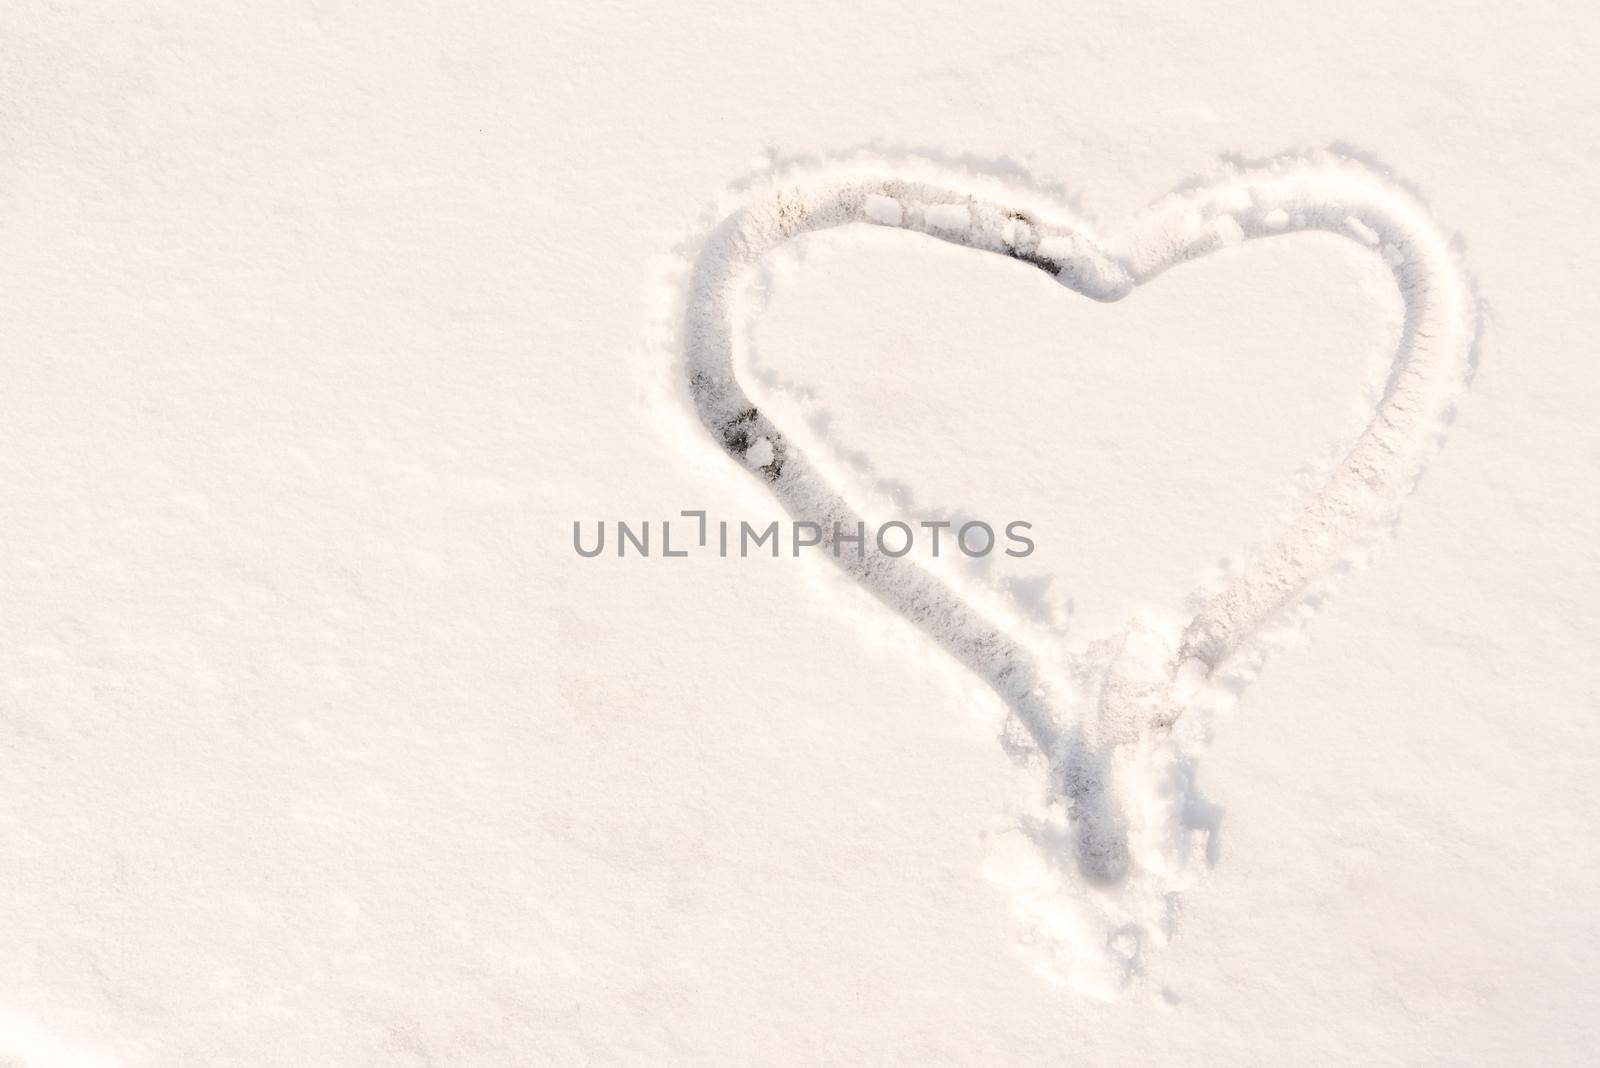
[(319, 743)]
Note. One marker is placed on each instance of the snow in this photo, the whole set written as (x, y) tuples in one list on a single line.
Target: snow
[(951, 217), (324, 324), (1101, 716), (760, 454), (882, 209)]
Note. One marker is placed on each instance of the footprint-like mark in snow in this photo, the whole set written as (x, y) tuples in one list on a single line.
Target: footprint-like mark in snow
[(1096, 872)]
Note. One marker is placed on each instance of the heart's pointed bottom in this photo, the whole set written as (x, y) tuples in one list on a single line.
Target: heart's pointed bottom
[(1100, 830), (1096, 863)]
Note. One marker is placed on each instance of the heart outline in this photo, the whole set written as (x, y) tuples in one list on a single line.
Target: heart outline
[(1137, 694)]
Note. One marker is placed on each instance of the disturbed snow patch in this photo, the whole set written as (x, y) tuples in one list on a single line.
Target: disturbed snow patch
[(1095, 864)]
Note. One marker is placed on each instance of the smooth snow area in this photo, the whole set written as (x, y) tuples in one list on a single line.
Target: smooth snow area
[(320, 744)]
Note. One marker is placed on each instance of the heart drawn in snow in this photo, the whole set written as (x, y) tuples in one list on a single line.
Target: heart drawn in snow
[(1103, 721)]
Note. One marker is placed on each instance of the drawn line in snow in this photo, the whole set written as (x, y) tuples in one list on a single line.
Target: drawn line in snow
[(1104, 717)]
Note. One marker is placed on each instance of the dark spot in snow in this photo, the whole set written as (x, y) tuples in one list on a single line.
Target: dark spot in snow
[(736, 432), (1044, 263)]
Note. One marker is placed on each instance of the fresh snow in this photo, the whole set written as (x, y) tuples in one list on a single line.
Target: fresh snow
[(325, 323)]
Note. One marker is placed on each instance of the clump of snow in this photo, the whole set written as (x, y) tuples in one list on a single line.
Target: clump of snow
[(1227, 229), (760, 454), (950, 217), (1364, 233), (885, 210), (1056, 247)]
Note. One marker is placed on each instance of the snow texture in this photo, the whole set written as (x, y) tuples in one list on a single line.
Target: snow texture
[(1117, 850), (321, 323)]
